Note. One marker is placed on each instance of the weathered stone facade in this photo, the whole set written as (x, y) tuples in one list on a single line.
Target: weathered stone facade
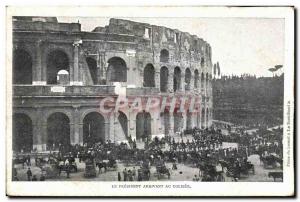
[(142, 59)]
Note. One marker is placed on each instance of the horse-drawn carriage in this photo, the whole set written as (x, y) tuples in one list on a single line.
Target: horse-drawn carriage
[(90, 169), (270, 161)]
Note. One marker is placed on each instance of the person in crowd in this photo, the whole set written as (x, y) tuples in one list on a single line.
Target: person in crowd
[(125, 174), (119, 176), (29, 174)]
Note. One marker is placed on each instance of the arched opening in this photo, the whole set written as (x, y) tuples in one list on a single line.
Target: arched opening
[(164, 78), (22, 133), (202, 80), (196, 81), (178, 122), (22, 67), (164, 55), (207, 117), (57, 60), (117, 70), (166, 122), (187, 79), (122, 118), (63, 77), (93, 128), (149, 76), (58, 130), (202, 63), (143, 125), (177, 79), (92, 64), (206, 81), (203, 118), (189, 120)]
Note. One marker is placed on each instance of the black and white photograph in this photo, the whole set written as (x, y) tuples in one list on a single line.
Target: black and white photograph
[(150, 102)]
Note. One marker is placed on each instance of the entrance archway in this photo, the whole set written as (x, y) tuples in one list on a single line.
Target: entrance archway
[(164, 55), (187, 79), (177, 79), (58, 130), (149, 76), (202, 80), (22, 67), (143, 125), (117, 70), (164, 78), (92, 64), (22, 132), (93, 128), (122, 118), (56, 60)]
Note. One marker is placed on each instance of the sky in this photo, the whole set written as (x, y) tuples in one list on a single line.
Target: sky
[(240, 45)]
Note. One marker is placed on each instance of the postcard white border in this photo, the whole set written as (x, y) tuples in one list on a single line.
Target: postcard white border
[(83, 188)]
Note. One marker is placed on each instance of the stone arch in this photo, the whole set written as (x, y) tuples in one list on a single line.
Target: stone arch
[(187, 79), (202, 80), (92, 65), (117, 70), (93, 128), (164, 78), (58, 130), (149, 76), (22, 67), (57, 60), (143, 125), (164, 55), (123, 120), (22, 132), (196, 80), (177, 79), (202, 62)]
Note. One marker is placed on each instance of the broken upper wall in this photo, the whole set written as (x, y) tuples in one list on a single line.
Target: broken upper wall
[(181, 45), (37, 23)]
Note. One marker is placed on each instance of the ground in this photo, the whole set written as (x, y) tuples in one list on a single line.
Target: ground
[(183, 173)]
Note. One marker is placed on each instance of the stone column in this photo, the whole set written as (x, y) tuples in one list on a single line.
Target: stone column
[(171, 80), (78, 128), (75, 77), (38, 78), (171, 129), (38, 132), (132, 125), (157, 78), (110, 127), (192, 82), (182, 83)]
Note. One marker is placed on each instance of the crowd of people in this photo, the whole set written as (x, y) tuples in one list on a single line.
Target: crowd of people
[(204, 149)]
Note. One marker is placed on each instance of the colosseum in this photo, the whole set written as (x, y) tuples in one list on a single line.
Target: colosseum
[(61, 74)]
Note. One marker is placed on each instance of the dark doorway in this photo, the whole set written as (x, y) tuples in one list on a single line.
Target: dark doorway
[(22, 133), (93, 128), (149, 76), (58, 130), (92, 64), (177, 79), (123, 122), (117, 70), (57, 60), (143, 125), (164, 78), (22, 67)]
